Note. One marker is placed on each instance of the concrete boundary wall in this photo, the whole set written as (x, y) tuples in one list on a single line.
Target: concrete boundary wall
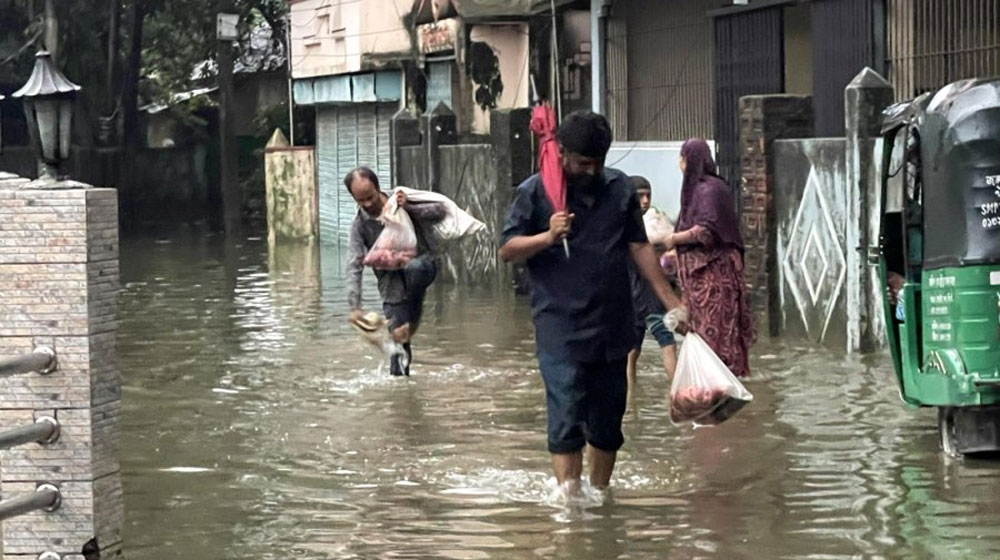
[(810, 206)]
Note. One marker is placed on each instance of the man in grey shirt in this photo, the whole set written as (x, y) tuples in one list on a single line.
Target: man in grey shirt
[(402, 291)]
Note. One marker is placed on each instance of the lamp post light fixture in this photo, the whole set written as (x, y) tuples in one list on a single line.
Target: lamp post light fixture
[(48, 105)]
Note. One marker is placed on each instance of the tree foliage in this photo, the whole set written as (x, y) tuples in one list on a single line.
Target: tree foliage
[(178, 44)]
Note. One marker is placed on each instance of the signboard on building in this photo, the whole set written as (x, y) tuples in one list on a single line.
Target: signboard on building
[(225, 27), (439, 36)]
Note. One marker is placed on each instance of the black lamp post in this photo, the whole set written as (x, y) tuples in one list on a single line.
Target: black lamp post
[(48, 105)]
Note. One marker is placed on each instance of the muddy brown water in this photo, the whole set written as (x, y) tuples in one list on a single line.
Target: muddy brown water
[(257, 427)]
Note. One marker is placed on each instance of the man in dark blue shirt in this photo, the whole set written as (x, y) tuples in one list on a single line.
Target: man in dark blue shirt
[(583, 312)]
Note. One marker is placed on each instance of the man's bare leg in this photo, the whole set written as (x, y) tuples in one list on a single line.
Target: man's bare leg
[(602, 465), (630, 367), (568, 468), (669, 359)]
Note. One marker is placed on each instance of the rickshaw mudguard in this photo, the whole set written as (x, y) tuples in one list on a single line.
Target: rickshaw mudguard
[(943, 380)]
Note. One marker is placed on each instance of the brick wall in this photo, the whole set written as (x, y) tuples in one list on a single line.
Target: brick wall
[(764, 119), (60, 279)]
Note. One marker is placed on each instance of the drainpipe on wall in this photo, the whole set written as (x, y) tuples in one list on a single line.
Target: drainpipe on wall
[(599, 10)]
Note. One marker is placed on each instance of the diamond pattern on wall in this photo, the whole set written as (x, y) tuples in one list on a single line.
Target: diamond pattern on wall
[(814, 265)]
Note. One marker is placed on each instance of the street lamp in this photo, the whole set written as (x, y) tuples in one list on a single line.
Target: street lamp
[(48, 105)]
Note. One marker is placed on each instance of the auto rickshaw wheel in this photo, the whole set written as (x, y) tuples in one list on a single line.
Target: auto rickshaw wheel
[(946, 431)]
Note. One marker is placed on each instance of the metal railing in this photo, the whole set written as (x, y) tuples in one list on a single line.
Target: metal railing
[(42, 360), (44, 430), (45, 498), (933, 42)]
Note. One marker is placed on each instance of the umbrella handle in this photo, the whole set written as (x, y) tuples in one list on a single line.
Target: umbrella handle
[(566, 247)]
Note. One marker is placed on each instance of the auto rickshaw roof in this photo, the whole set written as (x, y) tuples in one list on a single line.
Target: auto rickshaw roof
[(899, 114), (959, 139)]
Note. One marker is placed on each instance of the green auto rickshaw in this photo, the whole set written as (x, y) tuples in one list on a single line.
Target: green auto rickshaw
[(939, 254)]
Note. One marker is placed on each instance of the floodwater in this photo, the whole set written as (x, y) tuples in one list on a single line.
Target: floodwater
[(257, 427)]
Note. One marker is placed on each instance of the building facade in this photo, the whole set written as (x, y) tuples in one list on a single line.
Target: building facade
[(668, 71), (361, 63), (347, 62)]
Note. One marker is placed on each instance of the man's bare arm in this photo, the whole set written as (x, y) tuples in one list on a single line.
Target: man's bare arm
[(648, 267)]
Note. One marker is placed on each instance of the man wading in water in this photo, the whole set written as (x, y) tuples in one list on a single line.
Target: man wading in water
[(403, 290), (583, 314)]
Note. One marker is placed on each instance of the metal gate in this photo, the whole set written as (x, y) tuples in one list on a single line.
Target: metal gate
[(659, 66), (749, 60), (348, 136), (847, 37), (935, 42)]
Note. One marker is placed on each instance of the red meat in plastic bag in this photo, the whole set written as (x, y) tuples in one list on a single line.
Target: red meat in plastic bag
[(704, 391), (397, 244)]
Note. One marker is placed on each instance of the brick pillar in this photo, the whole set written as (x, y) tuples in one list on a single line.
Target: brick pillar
[(764, 119), (59, 273)]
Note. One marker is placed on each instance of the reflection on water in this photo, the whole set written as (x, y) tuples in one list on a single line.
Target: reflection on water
[(257, 428)]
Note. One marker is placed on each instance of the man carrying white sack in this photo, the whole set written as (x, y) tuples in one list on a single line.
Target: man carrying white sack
[(435, 219)]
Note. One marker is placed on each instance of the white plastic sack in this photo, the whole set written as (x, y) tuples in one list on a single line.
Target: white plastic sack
[(397, 243), (658, 226), (457, 222), (704, 391)]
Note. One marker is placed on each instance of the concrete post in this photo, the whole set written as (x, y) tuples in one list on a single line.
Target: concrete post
[(59, 272), (404, 132), (439, 129), (291, 191), (764, 119), (598, 35), (514, 149), (510, 134), (864, 99)]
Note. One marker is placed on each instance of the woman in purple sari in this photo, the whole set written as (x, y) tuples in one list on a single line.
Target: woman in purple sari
[(710, 260)]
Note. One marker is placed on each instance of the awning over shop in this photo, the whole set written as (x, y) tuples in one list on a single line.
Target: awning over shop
[(349, 88)]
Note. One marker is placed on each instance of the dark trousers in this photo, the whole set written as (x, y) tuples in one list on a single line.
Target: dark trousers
[(418, 275)]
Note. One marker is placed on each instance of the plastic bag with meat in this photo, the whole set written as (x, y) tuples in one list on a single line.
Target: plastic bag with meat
[(658, 226), (704, 391), (397, 243)]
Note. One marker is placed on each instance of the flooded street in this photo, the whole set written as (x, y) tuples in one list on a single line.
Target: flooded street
[(256, 427)]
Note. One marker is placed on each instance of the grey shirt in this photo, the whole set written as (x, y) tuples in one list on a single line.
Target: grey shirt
[(365, 230)]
